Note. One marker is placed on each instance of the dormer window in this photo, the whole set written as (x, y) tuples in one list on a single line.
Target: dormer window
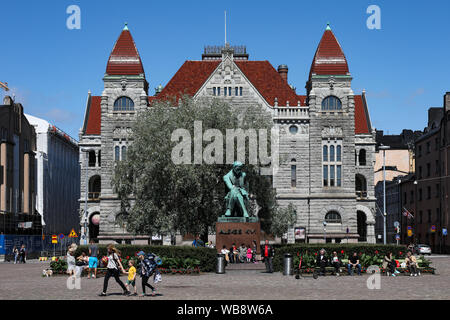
[(331, 103), (124, 104)]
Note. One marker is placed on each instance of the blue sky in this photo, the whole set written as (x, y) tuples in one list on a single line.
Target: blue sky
[(404, 66)]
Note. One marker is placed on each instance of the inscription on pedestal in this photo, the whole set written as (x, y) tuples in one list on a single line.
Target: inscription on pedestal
[(239, 233)]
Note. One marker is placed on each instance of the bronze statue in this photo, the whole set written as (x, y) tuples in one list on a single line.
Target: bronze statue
[(235, 199)]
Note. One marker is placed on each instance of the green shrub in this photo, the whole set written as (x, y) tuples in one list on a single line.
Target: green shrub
[(369, 254), (60, 265), (173, 257)]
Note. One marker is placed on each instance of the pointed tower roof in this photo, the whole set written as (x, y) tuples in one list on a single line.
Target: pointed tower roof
[(124, 58), (329, 58)]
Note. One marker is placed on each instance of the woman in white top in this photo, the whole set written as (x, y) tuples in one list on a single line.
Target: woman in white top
[(225, 252), (71, 259), (114, 265)]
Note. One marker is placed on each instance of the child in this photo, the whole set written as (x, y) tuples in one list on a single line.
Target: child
[(147, 269), (131, 277), (249, 254)]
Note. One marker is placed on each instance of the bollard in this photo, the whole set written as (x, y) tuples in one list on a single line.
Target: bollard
[(287, 270), (220, 267)]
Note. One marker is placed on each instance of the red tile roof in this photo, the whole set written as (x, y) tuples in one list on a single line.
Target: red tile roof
[(268, 82), (361, 118), (188, 79), (329, 58), (124, 58), (94, 118)]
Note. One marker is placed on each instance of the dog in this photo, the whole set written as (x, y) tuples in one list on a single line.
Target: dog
[(47, 273)]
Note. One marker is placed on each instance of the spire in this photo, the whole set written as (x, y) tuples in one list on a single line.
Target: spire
[(124, 58), (329, 58)]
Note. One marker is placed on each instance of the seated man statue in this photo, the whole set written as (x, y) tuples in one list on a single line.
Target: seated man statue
[(234, 181)]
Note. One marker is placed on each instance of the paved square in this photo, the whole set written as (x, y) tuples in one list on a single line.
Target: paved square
[(25, 281)]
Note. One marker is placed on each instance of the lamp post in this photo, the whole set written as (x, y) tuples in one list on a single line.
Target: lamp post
[(384, 148), (325, 231), (86, 187)]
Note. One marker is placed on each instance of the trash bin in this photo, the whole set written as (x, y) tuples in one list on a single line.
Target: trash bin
[(287, 270), (220, 267)]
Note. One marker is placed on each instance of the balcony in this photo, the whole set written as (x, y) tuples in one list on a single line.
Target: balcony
[(361, 194), (288, 113), (94, 195)]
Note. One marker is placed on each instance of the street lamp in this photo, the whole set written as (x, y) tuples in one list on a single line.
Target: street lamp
[(86, 187), (384, 148), (325, 231)]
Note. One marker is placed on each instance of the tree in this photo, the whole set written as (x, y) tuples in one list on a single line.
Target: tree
[(159, 196), (283, 219)]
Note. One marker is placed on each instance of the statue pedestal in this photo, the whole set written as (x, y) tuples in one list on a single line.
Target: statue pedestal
[(237, 230)]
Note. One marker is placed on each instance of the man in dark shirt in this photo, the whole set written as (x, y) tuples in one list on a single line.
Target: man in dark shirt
[(353, 262), (268, 253), (322, 261)]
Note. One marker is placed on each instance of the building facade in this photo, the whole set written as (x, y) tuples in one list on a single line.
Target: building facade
[(57, 177), (17, 171), (320, 134)]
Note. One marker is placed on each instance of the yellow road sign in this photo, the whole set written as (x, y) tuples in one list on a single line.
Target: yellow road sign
[(54, 239), (73, 234)]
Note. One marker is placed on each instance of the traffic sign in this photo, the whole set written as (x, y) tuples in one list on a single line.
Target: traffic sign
[(54, 239), (397, 237), (61, 236), (396, 223), (409, 228), (73, 234), (444, 231), (409, 233), (433, 228)]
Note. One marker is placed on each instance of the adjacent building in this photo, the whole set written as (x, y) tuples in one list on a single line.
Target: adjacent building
[(17, 172), (320, 134), (57, 177)]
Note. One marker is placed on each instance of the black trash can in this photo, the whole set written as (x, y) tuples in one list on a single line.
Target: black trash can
[(287, 270), (220, 267)]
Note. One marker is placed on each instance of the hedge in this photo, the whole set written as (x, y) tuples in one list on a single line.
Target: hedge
[(370, 252), (177, 257)]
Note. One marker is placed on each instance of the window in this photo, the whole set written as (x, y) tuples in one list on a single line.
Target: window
[(437, 143), (428, 147), (331, 103), (333, 217), (420, 216), (428, 169), (438, 214), (420, 172), (214, 91), (293, 176), (124, 153), (419, 151), (92, 159), (117, 153), (225, 91), (428, 192), (361, 186), (404, 197), (438, 190), (229, 91), (438, 167), (420, 194), (240, 91), (338, 153), (293, 129), (236, 92), (411, 200), (218, 91), (331, 161), (429, 215), (94, 187), (325, 154), (123, 104), (99, 158), (362, 157)]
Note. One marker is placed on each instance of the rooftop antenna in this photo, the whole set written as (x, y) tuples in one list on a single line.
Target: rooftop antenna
[(225, 27)]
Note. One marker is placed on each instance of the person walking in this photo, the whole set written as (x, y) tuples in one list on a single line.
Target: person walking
[(23, 254), (70, 259), (147, 268), (268, 253), (93, 259), (249, 254), (131, 281), (15, 252), (113, 270)]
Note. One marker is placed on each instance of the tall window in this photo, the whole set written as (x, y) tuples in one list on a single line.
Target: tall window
[(331, 103), (293, 175), (123, 104), (214, 91), (218, 91), (124, 153), (332, 163), (117, 153), (240, 91), (236, 91), (225, 91), (362, 157), (229, 91)]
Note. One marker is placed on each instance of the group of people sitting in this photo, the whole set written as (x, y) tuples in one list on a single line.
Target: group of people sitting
[(240, 254), (389, 264)]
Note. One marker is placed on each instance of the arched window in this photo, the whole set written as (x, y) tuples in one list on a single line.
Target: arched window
[(116, 153), (124, 153), (293, 173), (95, 186), (91, 158), (325, 153), (332, 153), (360, 186), (333, 217), (362, 157), (331, 103), (123, 104), (338, 153)]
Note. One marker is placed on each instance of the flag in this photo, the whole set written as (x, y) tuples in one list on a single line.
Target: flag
[(408, 214)]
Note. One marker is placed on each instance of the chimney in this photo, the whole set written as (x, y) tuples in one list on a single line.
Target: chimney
[(447, 101), (283, 71)]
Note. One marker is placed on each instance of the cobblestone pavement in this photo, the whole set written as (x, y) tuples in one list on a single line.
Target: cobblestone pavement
[(25, 281)]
